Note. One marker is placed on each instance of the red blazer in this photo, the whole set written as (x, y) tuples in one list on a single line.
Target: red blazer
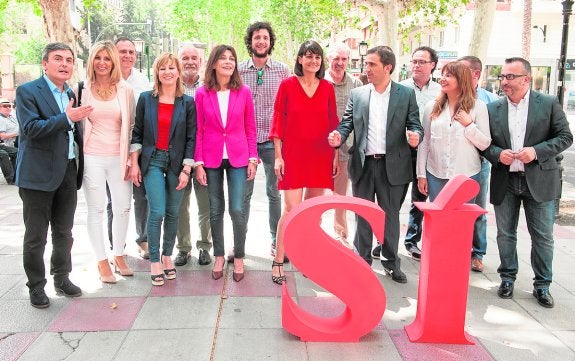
[(239, 134)]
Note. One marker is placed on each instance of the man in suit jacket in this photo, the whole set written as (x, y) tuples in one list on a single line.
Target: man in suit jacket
[(49, 171), (528, 131), (385, 119)]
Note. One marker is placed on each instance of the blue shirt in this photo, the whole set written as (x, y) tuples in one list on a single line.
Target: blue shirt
[(486, 96), (62, 100)]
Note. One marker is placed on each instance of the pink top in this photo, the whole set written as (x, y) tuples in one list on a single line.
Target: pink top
[(106, 119)]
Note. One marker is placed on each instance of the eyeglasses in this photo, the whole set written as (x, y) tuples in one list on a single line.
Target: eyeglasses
[(6, 106), (420, 62), (260, 79), (510, 76)]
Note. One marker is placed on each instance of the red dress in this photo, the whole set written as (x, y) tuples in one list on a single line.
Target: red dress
[(303, 124)]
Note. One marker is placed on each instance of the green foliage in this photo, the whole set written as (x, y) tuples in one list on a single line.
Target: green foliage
[(29, 51), (428, 14), (225, 21)]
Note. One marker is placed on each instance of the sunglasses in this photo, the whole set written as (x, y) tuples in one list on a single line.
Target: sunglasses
[(260, 79), (6, 106)]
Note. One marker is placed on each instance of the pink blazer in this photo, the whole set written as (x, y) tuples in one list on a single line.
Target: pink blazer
[(239, 134)]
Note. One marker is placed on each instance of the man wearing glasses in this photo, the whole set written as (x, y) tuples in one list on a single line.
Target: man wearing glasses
[(263, 75), (8, 133), (528, 131), (423, 63)]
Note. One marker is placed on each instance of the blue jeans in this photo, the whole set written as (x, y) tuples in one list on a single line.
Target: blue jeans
[(540, 217), (480, 229), (435, 185), (236, 178), (413, 233), (163, 204), (266, 153)]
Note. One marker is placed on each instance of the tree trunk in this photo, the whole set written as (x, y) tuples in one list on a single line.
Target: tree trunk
[(57, 22), (526, 31), (482, 23)]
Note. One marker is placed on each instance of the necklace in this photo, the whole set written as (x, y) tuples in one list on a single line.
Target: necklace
[(104, 93)]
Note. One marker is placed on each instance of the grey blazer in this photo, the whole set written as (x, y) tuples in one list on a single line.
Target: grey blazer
[(402, 115), (547, 132)]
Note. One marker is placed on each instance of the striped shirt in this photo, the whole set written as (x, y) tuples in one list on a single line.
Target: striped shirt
[(263, 95)]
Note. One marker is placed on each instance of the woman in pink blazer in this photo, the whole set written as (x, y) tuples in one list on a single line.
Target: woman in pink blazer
[(225, 142)]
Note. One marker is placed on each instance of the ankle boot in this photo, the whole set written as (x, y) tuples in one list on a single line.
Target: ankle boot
[(121, 266), (106, 274)]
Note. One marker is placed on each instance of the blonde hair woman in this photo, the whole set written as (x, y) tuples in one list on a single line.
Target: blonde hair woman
[(107, 133), (163, 143)]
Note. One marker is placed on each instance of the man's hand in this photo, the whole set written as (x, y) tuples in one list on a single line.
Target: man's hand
[(412, 138), (334, 139), (506, 157), (79, 113), (526, 155)]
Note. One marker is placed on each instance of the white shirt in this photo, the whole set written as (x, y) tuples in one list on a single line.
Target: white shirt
[(139, 83), (378, 107), (223, 102), (517, 116), (423, 95), (448, 148)]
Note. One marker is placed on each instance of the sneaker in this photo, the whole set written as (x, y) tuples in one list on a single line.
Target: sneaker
[(376, 252), (182, 258), (67, 288), (38, 298), (476, 264), (413, 251)]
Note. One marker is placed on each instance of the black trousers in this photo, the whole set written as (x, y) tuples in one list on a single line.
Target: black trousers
[(55, 209), (374, 183)]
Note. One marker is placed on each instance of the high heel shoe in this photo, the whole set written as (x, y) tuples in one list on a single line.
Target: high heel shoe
[(121, 267), (281, 278), (238, 276), (157, 280), (169, 272), (105, 271), (218, 274)]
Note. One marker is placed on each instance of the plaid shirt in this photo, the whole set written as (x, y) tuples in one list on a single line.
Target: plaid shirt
[(263, 95), (191, 91)]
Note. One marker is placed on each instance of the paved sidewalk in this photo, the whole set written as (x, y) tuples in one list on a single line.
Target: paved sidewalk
[(197, 318)]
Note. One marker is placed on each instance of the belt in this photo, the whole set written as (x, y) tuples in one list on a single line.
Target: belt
[(375, 156), (72, 160), (266, 142), (518, 174)]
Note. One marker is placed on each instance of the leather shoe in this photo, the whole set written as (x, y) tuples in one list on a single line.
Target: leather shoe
[(38, 298), (396, 274), (476, 264), (505, 289), (414, 251), (544, 297), (376, 252), (204, 257), (182, 258), (67, 288), (217, 274)]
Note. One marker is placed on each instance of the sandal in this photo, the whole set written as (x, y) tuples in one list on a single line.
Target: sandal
[(157, 280), (281, 278), (170, 273)]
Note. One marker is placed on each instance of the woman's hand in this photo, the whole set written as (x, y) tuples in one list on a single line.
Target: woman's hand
[(183, 180), (463, 117), (422, 185), (335, 166), (279, 168), (135, 174), (252, 169), (201, 175)]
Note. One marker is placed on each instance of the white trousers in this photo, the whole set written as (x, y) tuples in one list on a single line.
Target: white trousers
[(98, 171)]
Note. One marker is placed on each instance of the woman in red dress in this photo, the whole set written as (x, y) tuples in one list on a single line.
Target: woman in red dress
[(304, 114)]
